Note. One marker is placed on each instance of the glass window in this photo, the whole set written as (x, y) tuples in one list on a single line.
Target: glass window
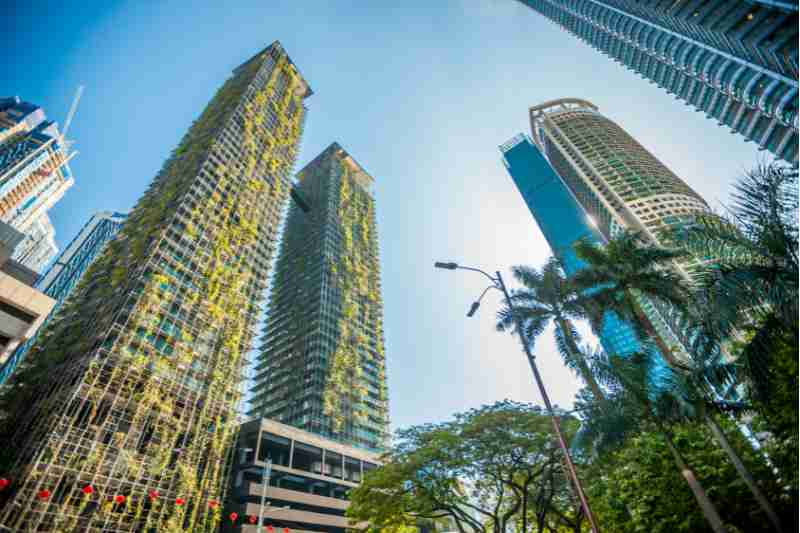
[(333, 464), (352, 469), (275, 448), (307, 458)]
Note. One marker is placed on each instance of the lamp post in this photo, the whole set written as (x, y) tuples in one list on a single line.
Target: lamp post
[(497, 283), (266, 472)]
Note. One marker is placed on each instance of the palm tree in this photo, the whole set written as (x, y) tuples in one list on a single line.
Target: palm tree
[(547, 297), (693, 390), (751, 281), (635, 404), (626, 269)]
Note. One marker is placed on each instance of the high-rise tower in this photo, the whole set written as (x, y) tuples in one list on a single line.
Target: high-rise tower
[(124, 417), (737, 61), (616, 181), (321, 367), (563, 223), (34, 175)]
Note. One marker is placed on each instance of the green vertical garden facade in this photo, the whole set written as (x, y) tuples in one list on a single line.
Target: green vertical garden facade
[(124, 414), (322, 365)]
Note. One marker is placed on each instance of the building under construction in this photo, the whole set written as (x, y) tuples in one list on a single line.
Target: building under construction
[(123, 415)]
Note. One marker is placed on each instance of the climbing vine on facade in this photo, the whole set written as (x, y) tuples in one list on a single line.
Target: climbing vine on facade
[(132, 390)]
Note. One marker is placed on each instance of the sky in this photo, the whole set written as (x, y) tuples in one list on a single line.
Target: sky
[(420, 93)]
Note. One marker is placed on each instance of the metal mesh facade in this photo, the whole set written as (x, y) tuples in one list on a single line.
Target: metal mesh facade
[(735, 61), (321, 367), (124, 414)]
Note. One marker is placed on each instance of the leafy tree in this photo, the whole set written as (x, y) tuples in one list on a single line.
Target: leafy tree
[(496, 467), (635, 488), (635, 405), (547, 297), (749, 293)]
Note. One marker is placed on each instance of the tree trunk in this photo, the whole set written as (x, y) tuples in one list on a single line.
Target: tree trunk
[(576, 354), (709, 511), (744, 473)]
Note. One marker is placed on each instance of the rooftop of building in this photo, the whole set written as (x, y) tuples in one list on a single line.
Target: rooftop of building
[(276, 45), (362, 176)]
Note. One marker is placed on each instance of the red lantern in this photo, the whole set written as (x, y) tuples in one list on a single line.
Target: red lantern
[(3, 483), (252, 519), (212, 503), (179, 501), (87, 490), (43, 494), (286, 530), (119, 498), (233, 516), (153, 494), (269, 528)]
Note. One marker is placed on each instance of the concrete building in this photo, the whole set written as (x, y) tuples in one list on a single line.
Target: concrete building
[(23, 309), (734, 60), (307, 479)]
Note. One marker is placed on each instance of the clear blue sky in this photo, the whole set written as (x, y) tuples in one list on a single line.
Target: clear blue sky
[(421, 93)]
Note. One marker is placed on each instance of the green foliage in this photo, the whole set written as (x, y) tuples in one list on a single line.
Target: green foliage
[(547, 297), (637, 487), (491, 468)]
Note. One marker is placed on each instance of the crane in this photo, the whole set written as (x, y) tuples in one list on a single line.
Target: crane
[(70, 114)]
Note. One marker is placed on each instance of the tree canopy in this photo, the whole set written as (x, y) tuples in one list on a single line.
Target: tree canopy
[(497, 468)]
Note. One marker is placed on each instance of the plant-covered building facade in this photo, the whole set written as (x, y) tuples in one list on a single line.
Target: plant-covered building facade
[(123, 415), (322, 365)]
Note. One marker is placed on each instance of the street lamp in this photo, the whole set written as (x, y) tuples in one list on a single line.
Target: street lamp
[(497, 283)]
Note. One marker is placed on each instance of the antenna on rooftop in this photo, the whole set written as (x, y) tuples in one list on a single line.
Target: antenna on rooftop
[(70, 114)]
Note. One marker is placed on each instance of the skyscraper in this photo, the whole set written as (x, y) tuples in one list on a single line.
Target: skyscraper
[(737, 61), (617, 183), (563, 223), (34, 175), (321, 367), (63, 276), (125, 417)]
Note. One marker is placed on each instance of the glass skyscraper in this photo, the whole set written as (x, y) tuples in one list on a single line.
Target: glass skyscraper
[(735, 60), (563, 223), (34, 175), (126, 417), (63, 276), (617, 183), (322, 365)]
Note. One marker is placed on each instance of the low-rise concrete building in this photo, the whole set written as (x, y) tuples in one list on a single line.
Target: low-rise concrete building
[(22, 308), (307, 480)]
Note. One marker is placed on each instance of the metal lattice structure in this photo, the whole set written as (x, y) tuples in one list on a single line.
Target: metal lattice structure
[(322, 365), (124, 414)]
